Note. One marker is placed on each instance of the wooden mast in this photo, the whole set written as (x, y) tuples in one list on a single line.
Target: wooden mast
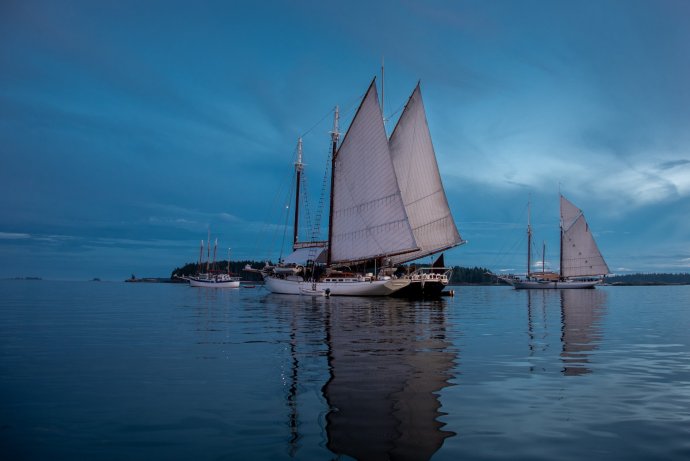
[(334, 147), (298, 170), (208, 251), (215, 249), (201, 256)]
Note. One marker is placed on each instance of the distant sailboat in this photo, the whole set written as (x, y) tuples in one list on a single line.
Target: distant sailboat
[(387, 207), (581, 262), (212, 278)]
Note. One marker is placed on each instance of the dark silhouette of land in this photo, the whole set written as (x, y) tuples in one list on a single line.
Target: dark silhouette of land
[(461, 275)]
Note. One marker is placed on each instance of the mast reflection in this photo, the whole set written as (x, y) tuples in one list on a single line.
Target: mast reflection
[(303, 320), (388, 360), (581, 313)]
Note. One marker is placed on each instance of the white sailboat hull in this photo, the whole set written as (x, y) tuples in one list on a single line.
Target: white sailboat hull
[(199, 284), (549, 284), (346, 288), (212, 283)]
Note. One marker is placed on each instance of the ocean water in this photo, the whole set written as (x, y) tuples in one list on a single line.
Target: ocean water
[(111, 371)]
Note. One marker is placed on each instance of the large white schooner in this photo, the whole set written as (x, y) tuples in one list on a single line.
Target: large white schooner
[(387, 206)]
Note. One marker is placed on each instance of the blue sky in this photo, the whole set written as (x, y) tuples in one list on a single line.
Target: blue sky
[(128, 128)]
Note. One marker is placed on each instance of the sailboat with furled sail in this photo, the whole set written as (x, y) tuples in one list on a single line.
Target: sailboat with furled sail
[(387, 207), (581, 262)]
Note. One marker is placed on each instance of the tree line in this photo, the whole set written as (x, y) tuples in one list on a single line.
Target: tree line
[(649, 279), (460, 276), (472, 276), (236, 267)]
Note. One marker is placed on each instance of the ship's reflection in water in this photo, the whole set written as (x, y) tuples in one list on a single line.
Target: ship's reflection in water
[(581, 314), (387, 361), (382, 363)]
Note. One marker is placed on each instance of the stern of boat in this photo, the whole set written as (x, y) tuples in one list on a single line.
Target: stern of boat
[(394, 285)]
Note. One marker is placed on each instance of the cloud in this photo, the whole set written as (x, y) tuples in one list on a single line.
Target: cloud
[(14, 236), (672, 164), (685, 262), (54, 238), (641, 180)]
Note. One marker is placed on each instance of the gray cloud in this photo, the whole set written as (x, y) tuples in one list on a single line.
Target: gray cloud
[(672, 164)]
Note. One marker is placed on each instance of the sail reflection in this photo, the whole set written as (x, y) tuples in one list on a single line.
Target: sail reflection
[(388, 361), (581, 313)]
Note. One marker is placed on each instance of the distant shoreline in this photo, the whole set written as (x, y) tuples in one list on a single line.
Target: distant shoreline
[(154, 280), (615, 284)]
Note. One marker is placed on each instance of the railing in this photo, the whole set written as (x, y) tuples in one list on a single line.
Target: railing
[(441, 274)]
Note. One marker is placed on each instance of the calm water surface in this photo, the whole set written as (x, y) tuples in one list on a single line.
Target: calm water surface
[(154, 371)]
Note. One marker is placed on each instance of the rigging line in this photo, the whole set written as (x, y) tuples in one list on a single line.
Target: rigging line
[(352, 103), (316, 228), (306, 210), (392, 114), (280, 192), (352, 106), (269, 227), (267, 224), (318, 123), (287, 217), (503, 251)]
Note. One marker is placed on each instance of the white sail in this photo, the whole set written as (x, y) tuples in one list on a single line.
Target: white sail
[(420, 183), (580, 256), (368, 217)]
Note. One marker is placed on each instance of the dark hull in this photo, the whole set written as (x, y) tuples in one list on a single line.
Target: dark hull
[(419, 290)]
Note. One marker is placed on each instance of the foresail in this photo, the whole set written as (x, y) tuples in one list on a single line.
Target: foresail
[(580, 255), (420, 183), (369, 219)]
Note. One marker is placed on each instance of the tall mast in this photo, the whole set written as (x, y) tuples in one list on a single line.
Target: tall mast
[(215, 248), (208, 251), (529, 239), (298, 170), (201, 255), (543, 256), (334, 146), (383, 112), (560, 259)]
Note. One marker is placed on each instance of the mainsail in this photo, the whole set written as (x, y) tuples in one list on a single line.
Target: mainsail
[(368, 216), (420, 183), (580, 256)]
